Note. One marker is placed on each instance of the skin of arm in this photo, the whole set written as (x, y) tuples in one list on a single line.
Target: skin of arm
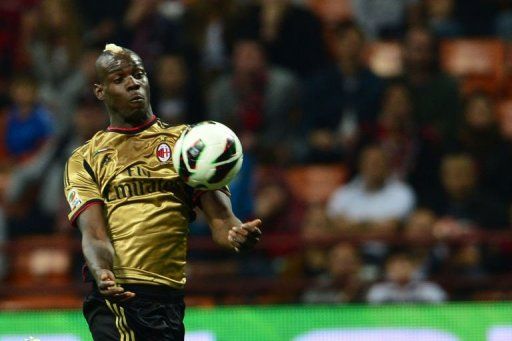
[(227, 230), (99, 253)]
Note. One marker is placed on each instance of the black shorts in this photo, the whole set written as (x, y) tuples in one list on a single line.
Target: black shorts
[(155, 314)]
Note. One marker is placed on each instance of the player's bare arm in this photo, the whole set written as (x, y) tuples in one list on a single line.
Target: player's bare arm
[(227, 230), (99, 253)]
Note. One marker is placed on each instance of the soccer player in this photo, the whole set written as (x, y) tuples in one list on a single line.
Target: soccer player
[(133, 211)]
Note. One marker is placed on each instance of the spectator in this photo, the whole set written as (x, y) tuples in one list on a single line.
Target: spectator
[(54, 41), (291, 35), (315, 226), (258, 101), (374, 202), (208, 29), (34, 194), (479, 136), (461, 203), (12, 56), (153, 27), (175, 101), (372, 205), (503, 20), (342, 282), (274, 202), (441, 18), (401, 285), (341, 101), (435, 95), (385, 19), (467, 261), (422, 244), (29, 124), (102, 21), (410, 155)]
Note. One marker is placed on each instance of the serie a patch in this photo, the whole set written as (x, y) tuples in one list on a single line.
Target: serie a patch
[(74, 199)]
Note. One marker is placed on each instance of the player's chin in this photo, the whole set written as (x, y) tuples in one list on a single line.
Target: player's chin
[(137, 110), (138, 103)]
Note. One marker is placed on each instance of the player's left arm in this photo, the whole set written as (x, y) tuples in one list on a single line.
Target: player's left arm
[(227, 230)]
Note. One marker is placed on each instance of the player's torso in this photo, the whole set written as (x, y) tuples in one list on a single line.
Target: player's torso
[(147, 206)]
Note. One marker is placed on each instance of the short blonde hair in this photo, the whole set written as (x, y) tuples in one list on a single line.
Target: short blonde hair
[(113, 48)]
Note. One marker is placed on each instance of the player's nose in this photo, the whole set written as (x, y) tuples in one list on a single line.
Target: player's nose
[(132, 83)]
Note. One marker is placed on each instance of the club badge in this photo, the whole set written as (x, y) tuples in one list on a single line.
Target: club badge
[(163, 152)]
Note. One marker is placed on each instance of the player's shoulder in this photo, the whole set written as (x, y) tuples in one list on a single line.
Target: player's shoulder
[(171, 129), (86, 149)]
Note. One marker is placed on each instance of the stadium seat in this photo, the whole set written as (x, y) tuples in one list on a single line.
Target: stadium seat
[(478, 63), (29, 302), (315, 183), (384, 58), (41, 259)]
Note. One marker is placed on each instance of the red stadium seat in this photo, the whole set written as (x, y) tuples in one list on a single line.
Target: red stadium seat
[(478, 63), (41, 259)]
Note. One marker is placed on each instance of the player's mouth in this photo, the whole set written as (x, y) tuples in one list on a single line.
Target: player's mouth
[(137, 99)]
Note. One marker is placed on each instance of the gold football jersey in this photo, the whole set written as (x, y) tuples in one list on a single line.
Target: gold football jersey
[(146, 205)]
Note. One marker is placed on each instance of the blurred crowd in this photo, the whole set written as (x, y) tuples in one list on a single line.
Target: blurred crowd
[(426, 163)]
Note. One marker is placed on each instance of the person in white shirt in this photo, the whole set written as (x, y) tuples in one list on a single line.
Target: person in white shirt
[(402, 286), (374, 202)]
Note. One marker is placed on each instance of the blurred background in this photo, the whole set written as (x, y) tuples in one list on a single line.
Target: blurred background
[(377, 138)]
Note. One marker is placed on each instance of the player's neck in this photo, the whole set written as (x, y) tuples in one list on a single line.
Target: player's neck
[(132, 121)]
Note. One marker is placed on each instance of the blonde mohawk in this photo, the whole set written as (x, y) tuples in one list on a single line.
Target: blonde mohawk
[(113, 48)]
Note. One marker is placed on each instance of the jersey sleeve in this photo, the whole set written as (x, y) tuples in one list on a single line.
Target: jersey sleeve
[(196, 194), (80, 186)]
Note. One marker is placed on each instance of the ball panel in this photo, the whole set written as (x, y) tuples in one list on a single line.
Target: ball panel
[(221, 172)]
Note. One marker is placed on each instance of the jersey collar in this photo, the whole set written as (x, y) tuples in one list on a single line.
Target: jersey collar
[(132, 130)]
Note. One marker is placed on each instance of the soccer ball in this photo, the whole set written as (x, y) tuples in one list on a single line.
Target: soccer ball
[(207, 155)]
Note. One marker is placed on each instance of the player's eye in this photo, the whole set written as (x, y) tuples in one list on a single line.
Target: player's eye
[(139, 75), (117, 80)]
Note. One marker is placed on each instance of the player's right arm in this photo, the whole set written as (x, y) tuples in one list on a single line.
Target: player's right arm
[(86, 212), (99, 252)]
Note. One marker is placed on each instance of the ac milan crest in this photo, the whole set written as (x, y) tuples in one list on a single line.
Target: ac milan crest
[(163, 152)]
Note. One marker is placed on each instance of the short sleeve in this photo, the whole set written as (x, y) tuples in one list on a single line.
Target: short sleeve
[(196, 194), (80, 186)]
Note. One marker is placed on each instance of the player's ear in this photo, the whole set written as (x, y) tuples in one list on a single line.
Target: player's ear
[(98, 91)]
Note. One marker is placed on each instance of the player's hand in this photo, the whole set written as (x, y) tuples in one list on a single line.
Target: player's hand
[(108, 288), (245, 236)]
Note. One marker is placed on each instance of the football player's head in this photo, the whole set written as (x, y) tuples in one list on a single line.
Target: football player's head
[(122, 83)]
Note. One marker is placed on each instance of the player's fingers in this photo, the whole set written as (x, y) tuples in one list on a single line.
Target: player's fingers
[(239, 230), (103, 285), (106, 275), (253, 239), (235, 240), (252, 225), (114, 290), (123, 296), (255, 232), (236, 235)]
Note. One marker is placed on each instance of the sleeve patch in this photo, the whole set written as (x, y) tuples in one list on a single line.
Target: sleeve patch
[(74, 199)]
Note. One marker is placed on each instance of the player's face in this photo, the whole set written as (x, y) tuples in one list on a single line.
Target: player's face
[(125, 88)]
